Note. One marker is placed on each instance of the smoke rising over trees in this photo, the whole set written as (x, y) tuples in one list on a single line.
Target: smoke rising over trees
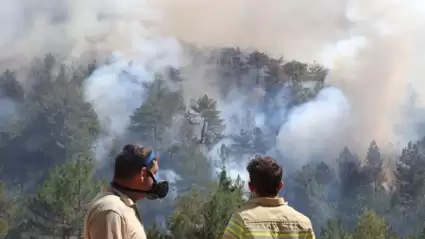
[(49, 146), (208, 91)]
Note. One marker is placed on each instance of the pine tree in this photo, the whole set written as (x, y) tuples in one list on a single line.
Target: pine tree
[(57, 122), (308, 187), (9, 206), (10, 87), (350, 173), (58, 207), (408, 197), (353, 185), (155, 115), (211, 125), (334, 230), (199, 214), (410, 175), (371, 226), (374, 167)]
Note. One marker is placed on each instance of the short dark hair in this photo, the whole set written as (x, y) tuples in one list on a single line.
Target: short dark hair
[(130, 161), (265, 176)]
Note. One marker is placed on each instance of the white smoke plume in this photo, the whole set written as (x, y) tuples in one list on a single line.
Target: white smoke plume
[(275, 26), (117, 89), (72, 30), (307, 131), (374, 77)]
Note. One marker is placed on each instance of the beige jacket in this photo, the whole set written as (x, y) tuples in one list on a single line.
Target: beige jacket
[(113, 215), (268, 218)]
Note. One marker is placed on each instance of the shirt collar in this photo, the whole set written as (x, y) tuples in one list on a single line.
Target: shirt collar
[(264, 201), (127, 200)]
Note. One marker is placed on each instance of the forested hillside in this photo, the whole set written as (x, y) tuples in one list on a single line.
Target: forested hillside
[(51, 166)]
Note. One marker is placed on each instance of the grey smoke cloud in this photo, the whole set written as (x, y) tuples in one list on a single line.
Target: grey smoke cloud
[(117, 89), (313, 128), (73, 30), (8, 113), (373, 50), (373, 77), (273, 26)]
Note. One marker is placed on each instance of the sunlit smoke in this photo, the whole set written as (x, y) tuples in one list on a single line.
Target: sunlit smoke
[(374, 49), (72, 30), (371, 63), (232, 164), (117, 89), (274, 26), (313, 127)]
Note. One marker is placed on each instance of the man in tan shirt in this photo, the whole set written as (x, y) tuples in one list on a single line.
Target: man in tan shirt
[(113, 213), (266, 215)]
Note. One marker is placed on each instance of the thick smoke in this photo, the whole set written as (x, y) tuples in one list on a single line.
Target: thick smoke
[(117, 89), (277, 27), (373, 79), (374, 74), (74, 30), (307, 131), (8, 113)]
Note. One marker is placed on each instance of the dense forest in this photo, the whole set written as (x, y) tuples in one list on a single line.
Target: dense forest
[(54, 157)]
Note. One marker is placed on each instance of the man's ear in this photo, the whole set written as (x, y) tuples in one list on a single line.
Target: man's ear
[(251, 188), (143, 172), (280, 185)]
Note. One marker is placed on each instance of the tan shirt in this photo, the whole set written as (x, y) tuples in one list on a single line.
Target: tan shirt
[(268, 218), (113, 215)]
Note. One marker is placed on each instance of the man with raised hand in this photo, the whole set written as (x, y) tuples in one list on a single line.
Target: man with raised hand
[(266, 215), (113, 213)]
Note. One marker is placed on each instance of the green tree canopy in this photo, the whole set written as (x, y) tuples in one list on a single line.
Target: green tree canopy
[(58, 207)]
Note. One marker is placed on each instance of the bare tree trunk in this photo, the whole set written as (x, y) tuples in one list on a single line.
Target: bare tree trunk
[(203, 131)]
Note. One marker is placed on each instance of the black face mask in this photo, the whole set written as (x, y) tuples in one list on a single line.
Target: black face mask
[(158, 191), (159, 188)]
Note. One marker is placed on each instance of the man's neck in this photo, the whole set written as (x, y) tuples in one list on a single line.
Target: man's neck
[(121, 186), (256, 196)]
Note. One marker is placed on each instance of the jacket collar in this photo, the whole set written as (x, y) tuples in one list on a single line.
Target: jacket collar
[(264, 201), (127, 200)]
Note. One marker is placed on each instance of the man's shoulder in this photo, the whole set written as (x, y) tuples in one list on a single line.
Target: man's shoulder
[(255, 212), (105, 202), (298, 216)]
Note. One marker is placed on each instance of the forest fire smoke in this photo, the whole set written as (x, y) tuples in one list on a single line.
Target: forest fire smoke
[(374, 78), (208, 84)]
